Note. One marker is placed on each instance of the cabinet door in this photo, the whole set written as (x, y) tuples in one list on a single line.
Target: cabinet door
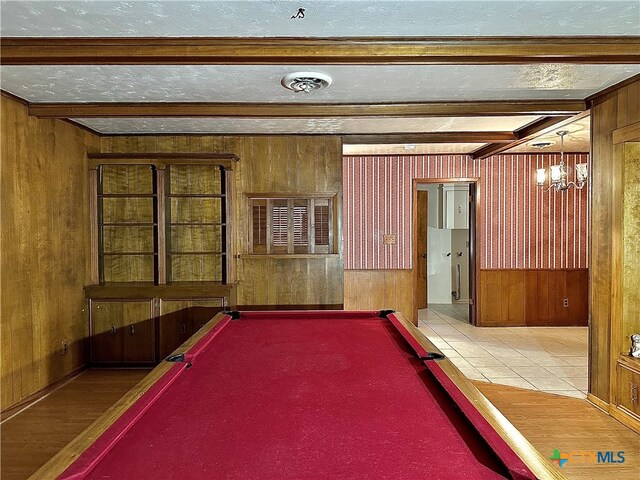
[(139, 333), (106, 332), (628, 386), (122, 332), (180, 319)]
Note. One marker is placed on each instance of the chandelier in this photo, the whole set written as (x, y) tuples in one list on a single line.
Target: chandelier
[(560, 173)]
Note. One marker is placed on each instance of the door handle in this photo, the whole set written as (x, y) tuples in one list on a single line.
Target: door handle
[(113, 329), (634, 394), (183, 329), (132, 329)]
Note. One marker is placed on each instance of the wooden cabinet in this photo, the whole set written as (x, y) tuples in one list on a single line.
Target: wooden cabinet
[(628, 390), (122, 332), (140, 324), (180, 319)]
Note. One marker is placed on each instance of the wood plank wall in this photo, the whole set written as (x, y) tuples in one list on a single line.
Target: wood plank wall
[(379, 289), (533, 298), (291, 164), (44, 255), (617, 109)]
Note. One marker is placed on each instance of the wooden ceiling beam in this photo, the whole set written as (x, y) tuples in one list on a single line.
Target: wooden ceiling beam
[(308, 110), (526, 134), (296, 51), (434, 137)]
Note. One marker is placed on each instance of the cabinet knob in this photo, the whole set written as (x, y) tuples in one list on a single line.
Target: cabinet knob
[(132, 329)]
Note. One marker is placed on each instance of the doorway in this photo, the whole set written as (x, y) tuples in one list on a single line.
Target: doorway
[(445, 244)]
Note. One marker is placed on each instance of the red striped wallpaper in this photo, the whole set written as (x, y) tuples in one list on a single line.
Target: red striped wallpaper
[(521, 226)]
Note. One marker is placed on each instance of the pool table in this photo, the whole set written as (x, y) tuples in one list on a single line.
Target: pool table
[(302, 395)]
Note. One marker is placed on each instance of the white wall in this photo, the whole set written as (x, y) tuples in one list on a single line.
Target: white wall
[(438, 265), (459, 243)]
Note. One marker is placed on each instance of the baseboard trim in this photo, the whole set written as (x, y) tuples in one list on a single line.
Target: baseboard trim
[(26, 402), (598, 403), (626, 418)]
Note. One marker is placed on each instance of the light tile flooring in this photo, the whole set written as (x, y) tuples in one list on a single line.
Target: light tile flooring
[(548, 359)]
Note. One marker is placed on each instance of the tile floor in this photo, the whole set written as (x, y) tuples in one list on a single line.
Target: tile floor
[(548, 359)]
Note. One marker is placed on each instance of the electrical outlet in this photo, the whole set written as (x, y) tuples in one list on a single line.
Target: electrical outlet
[(565, 302), (389, 239), (65, 347)]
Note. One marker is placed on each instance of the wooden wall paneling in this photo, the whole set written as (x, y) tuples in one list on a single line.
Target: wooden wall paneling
[(544, 312), (603, 120), (531, 300), (610, 112), (161, 227), (577, 291), (515, 290), (253, 281), (533, 297), (630, 319), (267, 164), (378, 289), (44, 257), (491, 298), (557, 294)]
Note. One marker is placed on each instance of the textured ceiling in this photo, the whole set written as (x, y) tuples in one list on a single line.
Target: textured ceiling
[(351, 83), (419, 149), (304, 125), (576, 140), (269, 18)]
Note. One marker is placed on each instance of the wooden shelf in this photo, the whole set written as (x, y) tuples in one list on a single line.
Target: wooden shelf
[(206, 252), (133, 290), (629, 361), (196, 224), (291, 256), (188, 211), (127, 195), (106, 254), (131, 224), (195, 195), (161, 160)]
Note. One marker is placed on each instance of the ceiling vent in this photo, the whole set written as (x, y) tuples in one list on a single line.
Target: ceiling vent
[(306, 81), (541, 144)]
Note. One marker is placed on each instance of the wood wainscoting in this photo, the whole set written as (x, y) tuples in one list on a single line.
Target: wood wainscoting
[(533, 297), (379, 289), (45, 251)]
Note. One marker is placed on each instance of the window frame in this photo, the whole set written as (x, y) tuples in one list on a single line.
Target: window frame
[(292, 200)]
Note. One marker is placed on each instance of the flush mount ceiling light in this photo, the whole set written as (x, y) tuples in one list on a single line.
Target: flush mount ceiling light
[(306, 82)]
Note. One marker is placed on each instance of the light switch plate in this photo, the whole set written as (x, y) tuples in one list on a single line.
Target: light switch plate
[(389, 239)]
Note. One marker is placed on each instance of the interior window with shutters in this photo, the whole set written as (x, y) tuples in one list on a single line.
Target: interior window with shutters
[(291, 225)]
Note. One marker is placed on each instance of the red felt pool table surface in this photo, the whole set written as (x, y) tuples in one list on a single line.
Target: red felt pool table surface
[(302, 395)]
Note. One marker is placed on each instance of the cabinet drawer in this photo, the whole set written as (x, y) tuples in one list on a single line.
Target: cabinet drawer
[(628, 390)]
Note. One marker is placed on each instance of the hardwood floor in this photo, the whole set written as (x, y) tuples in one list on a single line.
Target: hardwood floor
[(548, 421), (551, 422), (30, 438)]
